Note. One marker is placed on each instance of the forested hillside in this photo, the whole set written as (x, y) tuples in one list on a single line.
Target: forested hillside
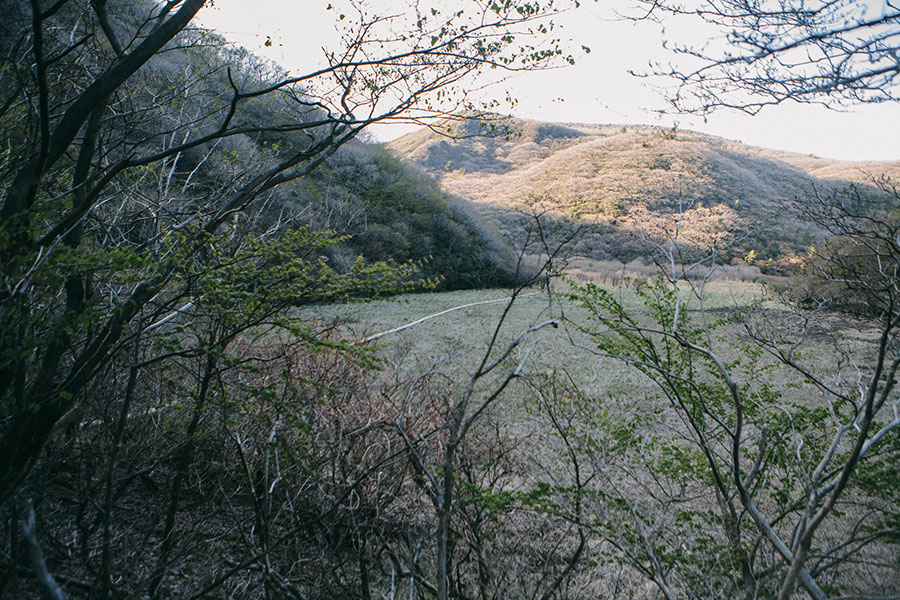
[(386, 210), (390, 210)]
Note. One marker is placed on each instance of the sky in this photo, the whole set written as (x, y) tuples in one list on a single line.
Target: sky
[(598, 89)]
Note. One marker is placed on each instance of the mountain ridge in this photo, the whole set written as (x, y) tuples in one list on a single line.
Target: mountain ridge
[(620, 182)]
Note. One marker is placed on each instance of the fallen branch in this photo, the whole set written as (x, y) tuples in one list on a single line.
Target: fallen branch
[(438, 314), (37, 557)]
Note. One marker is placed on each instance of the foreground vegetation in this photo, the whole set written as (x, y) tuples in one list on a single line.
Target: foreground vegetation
[(333, 476), (167, 202), (185, 411)]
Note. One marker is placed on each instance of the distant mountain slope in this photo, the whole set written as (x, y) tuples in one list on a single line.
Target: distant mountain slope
[(622, 185)]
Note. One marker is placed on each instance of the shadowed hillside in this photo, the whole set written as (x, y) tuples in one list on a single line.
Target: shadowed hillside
[(624, 186)]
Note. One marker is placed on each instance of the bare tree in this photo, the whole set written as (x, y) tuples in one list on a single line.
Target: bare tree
[(145, 247), (763, 53), (88, 113)]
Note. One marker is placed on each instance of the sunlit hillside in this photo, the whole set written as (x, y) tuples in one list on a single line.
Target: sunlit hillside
[(625, 185)]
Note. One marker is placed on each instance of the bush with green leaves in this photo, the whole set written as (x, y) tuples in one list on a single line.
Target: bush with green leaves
[(767, 460)]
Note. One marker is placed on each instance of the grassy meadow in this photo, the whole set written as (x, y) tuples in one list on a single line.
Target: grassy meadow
[(459, 339), (454, 343)]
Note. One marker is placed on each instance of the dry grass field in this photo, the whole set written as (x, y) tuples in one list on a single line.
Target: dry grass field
[(458, 339)]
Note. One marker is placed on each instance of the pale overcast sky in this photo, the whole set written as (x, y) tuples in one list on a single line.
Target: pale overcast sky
[(598, 89)]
